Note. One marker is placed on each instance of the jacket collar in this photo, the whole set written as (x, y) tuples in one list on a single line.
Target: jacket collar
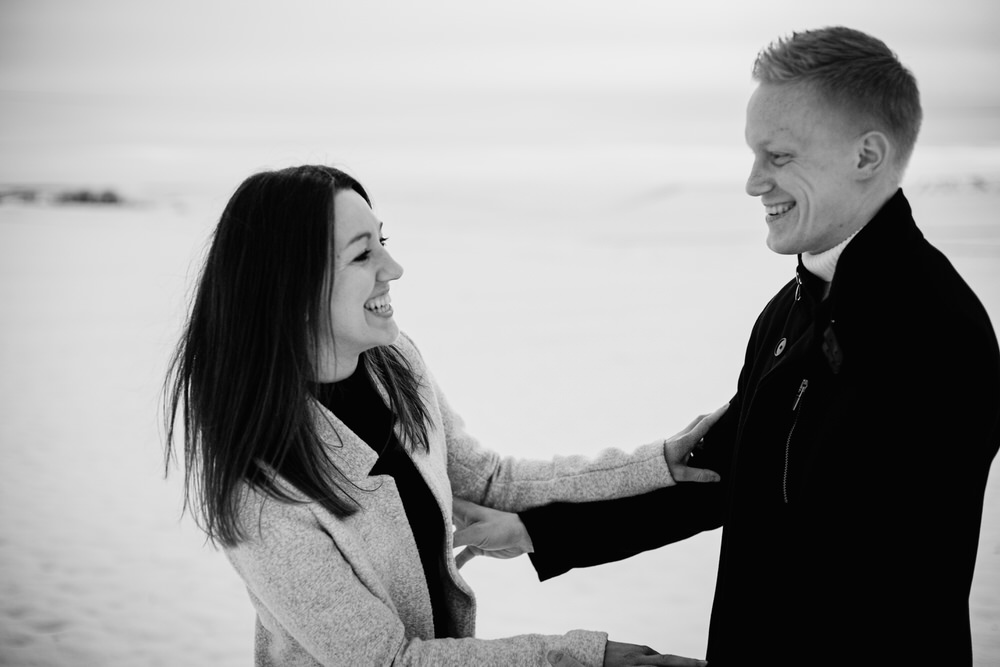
[(875, 246), (352, 456), (355, 459), (870, 252)]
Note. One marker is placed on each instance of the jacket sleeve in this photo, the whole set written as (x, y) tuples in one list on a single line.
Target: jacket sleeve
[(571, 535), (312, 606), (512, 484), (568, 535)]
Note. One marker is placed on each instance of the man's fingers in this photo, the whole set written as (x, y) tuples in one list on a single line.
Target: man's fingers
[(669, 661), (465, 555), (464, 511), (561, 659), (473, 535)]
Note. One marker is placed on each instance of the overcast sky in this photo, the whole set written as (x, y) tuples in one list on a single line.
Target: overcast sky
[(146, 78)]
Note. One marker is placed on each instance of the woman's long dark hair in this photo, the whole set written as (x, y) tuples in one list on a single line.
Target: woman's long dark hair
[(242, 373)]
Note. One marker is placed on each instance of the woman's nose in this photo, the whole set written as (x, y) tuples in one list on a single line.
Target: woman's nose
[(390, 269)]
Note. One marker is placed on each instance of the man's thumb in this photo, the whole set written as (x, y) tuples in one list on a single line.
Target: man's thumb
[(466, 511), (472, 535), (465, 555), (700, 475)]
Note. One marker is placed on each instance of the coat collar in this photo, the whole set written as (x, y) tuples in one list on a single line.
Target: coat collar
[(871, 254), (349, 452), (355, 459), (352, 456)]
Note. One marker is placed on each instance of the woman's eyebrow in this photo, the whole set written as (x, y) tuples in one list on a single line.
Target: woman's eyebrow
[(362, 235)]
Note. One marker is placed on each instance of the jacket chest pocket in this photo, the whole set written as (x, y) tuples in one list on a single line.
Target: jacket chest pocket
[(797, 413), (824, 427)]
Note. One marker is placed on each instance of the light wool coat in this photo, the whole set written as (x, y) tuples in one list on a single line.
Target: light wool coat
[(352, 591)]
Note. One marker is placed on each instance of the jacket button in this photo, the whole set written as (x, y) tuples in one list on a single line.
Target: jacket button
[(780, 347)]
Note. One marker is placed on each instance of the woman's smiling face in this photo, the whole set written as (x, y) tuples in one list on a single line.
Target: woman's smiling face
[(360, 312)]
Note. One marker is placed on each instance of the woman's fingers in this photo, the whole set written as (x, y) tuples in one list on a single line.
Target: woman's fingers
[(704, 423)]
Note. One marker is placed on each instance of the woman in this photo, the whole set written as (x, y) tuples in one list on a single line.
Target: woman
[(322, 456)]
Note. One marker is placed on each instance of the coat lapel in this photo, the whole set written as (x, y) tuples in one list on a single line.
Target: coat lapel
[(432, 466), (433, 469), (348, 452)]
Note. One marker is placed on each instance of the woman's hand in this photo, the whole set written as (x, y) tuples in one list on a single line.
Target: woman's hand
[(677, 450), (487, 532), (617, 654)]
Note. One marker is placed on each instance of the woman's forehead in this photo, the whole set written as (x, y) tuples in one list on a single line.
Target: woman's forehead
[(352, 217)]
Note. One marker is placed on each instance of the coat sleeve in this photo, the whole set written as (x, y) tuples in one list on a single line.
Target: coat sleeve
[(512, 484), (570, 535), (313, 607)]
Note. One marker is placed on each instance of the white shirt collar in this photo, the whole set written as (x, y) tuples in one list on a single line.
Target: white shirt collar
[(824, 264)]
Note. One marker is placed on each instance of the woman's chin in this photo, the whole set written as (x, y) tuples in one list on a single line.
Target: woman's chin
[(388, 332)]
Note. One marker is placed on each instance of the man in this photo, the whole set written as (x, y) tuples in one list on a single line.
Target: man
[(855, 453)]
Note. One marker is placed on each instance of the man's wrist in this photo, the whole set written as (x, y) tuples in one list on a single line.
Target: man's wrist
[(526, 543)]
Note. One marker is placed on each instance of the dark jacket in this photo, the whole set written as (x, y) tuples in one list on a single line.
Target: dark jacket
[(854, 458)]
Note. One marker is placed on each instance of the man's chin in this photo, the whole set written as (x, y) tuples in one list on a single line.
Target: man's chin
[(782, 246)]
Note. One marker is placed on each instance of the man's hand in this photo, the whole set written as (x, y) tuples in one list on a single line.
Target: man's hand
[(617, 654), (677, 450), (487, 532)]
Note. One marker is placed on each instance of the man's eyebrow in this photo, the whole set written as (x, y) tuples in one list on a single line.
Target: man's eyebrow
[(770, 146)]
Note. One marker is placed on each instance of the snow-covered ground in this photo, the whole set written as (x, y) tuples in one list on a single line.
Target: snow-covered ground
[(562, 182), (610, 320)]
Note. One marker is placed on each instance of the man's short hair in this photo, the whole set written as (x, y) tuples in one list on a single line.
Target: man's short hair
[(853, 71)]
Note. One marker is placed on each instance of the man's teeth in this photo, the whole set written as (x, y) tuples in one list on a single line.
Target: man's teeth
[(778, 209), (379, 304)]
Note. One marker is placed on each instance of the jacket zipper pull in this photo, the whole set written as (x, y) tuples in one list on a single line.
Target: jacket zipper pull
[(802, 390), (798, 286)]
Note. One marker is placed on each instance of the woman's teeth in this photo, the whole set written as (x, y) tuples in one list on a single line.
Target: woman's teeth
[(380, 304)]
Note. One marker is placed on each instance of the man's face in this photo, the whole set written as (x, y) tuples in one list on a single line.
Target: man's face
[(804, 168)]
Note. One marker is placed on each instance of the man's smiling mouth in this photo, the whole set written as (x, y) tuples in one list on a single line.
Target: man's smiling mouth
[(779, 209), (775, 212)]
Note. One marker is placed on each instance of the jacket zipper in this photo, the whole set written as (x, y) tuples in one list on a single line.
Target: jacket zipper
[(788, 442)]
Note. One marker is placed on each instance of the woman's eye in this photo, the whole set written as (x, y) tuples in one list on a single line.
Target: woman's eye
[(366, 255)]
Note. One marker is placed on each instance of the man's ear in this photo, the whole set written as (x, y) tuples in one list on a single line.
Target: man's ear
[(873, 150)]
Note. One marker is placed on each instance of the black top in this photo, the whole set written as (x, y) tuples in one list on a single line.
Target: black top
[(356, 403)]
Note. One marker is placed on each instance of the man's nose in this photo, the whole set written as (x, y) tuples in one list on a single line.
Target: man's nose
[(758, 182)]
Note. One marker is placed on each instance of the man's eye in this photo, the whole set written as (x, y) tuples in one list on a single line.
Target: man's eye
[(780, 158)]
